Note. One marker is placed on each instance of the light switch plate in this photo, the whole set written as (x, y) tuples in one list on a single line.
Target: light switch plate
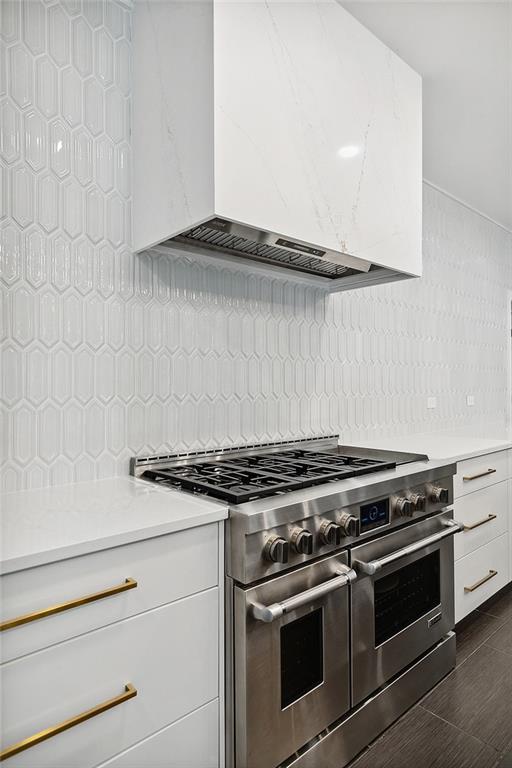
[(431, 402), (470, 400)]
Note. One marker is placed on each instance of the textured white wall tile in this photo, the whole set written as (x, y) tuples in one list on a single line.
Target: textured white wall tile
[(106, 354), (46, 87), (71, 96), (9, 132), (58, 34), (60, 148), (21, 70), (82, 46), (93, 106)]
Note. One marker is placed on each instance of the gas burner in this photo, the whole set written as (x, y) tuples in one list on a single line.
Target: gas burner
[(357, 464), (241, 477), (224, 480)]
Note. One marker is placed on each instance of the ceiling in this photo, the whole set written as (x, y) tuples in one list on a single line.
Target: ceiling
[(463, 50)]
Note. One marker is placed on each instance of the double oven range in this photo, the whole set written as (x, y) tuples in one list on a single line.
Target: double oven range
[(339, 592)]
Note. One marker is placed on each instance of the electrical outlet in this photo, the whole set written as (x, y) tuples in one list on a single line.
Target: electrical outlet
[(470, 400), (431, 402)]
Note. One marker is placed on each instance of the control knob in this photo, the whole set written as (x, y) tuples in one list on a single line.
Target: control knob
[(276, 549), (439, 495), (350, 525), (302, 541), (330, 533), (403, 507), (418, 501)]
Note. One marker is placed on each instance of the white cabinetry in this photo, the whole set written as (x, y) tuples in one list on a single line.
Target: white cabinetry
[(480, 472), (483, 501), (192, 742), (480, 575), (161, 638), (165, 569)]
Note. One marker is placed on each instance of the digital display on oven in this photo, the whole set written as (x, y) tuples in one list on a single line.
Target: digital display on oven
[(374, 515)]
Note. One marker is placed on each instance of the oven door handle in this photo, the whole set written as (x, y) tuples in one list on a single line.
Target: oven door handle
[(269, 613), (371, 568)]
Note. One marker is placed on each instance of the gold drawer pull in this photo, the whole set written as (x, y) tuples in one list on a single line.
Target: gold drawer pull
[(477, 584), (37, 738), (28, 617), (478, 523), (467, 478)]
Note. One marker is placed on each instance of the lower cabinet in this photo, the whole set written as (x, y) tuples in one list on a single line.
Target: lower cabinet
[(480, 574), (170, 655), (165, 569), (485, 517), (192, 742), (483, 551)]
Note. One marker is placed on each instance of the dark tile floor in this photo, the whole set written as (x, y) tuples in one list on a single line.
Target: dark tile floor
[(466, 720)]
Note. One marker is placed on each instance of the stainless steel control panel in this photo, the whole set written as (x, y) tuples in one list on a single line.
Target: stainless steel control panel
[(278, 547)]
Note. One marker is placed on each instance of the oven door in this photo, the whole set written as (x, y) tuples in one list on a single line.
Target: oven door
[(402, 602), (291, 660)]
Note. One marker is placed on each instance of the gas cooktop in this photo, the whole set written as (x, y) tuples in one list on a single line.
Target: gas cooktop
[(245, 475), (288, 502)]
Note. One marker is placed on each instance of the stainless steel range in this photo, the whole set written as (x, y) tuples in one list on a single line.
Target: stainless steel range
[(339, 583)]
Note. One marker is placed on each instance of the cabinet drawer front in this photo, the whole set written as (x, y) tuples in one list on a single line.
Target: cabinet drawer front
[(479, 575), (165, 568), (480, 472), (484, 514), (170, 655), (192, 742)]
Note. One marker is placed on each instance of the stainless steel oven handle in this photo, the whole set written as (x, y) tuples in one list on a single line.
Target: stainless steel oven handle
[(268, 613), (374, 566)]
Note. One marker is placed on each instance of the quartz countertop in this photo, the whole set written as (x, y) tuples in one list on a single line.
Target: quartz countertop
[(49, 524), (441, 446)]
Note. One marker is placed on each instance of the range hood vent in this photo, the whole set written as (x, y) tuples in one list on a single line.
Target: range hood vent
[(235, 239)]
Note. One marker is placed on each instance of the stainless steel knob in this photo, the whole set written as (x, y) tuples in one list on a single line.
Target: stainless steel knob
[(350, 525), (418, 501), (439, 495), (403, 507), (330, 533), (302, 541), (276, 549)]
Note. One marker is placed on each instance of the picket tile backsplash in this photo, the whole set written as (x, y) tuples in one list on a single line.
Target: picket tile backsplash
[(106, 354)]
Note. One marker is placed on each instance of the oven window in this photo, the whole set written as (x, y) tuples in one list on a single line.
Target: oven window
[(405, 595), (302, 656)]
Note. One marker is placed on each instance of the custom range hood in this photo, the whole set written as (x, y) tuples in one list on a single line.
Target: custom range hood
[(276, 134)]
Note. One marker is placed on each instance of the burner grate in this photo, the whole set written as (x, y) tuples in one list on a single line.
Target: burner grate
[(224, 481), (353, 464), (244, 478)]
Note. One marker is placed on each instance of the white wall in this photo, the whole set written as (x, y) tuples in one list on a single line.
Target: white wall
[(463, 50), (106, 355)]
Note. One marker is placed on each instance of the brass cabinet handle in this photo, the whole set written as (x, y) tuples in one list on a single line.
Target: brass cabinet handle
[(483, 521), (42, 614), (479, 583), (467, 478), (48, 733)]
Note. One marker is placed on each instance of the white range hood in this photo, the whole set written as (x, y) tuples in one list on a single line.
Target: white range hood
[(279, 134)]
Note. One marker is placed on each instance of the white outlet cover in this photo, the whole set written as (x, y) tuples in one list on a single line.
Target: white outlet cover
[(432, 402), (470, 400)]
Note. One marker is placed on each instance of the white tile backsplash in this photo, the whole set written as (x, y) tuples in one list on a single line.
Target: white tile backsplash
[(106, 354)]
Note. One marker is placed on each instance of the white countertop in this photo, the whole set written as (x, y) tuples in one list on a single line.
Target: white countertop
[(441, 446), (41, 526)]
